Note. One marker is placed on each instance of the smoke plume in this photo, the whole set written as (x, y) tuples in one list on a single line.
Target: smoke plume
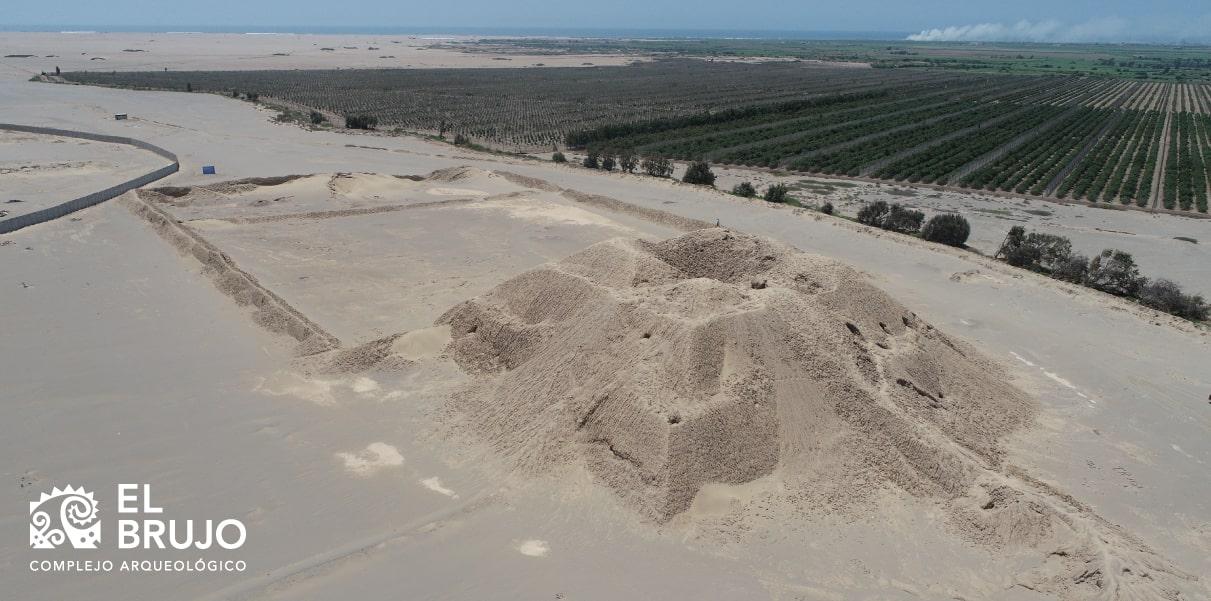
[(1106, 29)]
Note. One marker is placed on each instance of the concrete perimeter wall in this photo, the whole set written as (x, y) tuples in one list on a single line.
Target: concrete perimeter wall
[(15, 223)]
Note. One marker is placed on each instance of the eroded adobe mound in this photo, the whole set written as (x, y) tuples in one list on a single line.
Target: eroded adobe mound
[(719, 357), (716, 357)]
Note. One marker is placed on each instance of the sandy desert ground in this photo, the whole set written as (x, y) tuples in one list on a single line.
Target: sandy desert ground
[(1074, 465), (38, 171), (34, 53), (1155, 239)]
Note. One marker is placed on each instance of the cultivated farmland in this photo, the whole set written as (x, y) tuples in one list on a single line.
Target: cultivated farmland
[(533, 108), (1133, 143)]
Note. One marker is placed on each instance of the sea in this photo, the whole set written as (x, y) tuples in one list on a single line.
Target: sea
[(556, 32)]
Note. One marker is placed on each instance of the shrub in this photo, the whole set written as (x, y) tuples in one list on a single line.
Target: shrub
[(1052, 249), (1013, 239), (699, 172), (1073, 269), (1164, 295), (905, 221), (658, 166), (890, 217), (592, 160), (317, 118), (874, 213), (947, 228), (776, 193), (744, 189), (627, 161), (558, 157), (1035, 251), (461, 140), (827, 209), (607, 163), (1015, 251), (1114, 271), (361, 121)]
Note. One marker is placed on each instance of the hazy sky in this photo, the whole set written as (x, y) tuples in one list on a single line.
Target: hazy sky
[(1028, 20)]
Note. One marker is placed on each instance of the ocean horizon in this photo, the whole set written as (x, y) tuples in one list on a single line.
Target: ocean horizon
[(571, 32)]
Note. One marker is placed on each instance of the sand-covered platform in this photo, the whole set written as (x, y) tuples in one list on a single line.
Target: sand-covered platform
[(369, 255)]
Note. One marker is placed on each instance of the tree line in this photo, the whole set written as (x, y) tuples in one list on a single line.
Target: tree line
[(1112, 271)]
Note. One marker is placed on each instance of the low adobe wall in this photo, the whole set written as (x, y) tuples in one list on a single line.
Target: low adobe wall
[(15, 223)]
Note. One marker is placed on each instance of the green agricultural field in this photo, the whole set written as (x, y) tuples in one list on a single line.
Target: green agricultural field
[(1092, 139), (532, 108), (1181, 64)]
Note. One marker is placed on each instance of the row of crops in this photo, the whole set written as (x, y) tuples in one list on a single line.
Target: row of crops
[(531, 108), (851, 159), (1186, 165), (935, 166), (1094, 140), (1064, 138), (1033, 166)]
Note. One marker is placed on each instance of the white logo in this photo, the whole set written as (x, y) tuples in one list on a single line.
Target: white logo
[(78, 522)]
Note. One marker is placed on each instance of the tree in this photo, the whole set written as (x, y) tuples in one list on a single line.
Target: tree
[(1035, 251), (658, 166), (1052, 249), (558, 157), (1073, 269), (1013, 241), (699, 172), (1115, 272), (188, 87), (592, 160), (874, 213), (744, 189), (903, 220), (361, 121), (1021, 255), (461, 140), (317, 118), (607, 162), (628, 161), (827, 209), (57, 71), (947, 228), (776, 193)]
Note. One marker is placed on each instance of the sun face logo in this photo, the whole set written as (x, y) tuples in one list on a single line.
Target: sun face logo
[(78, 522)]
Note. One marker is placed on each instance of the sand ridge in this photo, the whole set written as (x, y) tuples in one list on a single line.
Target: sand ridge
[(269, 310)]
